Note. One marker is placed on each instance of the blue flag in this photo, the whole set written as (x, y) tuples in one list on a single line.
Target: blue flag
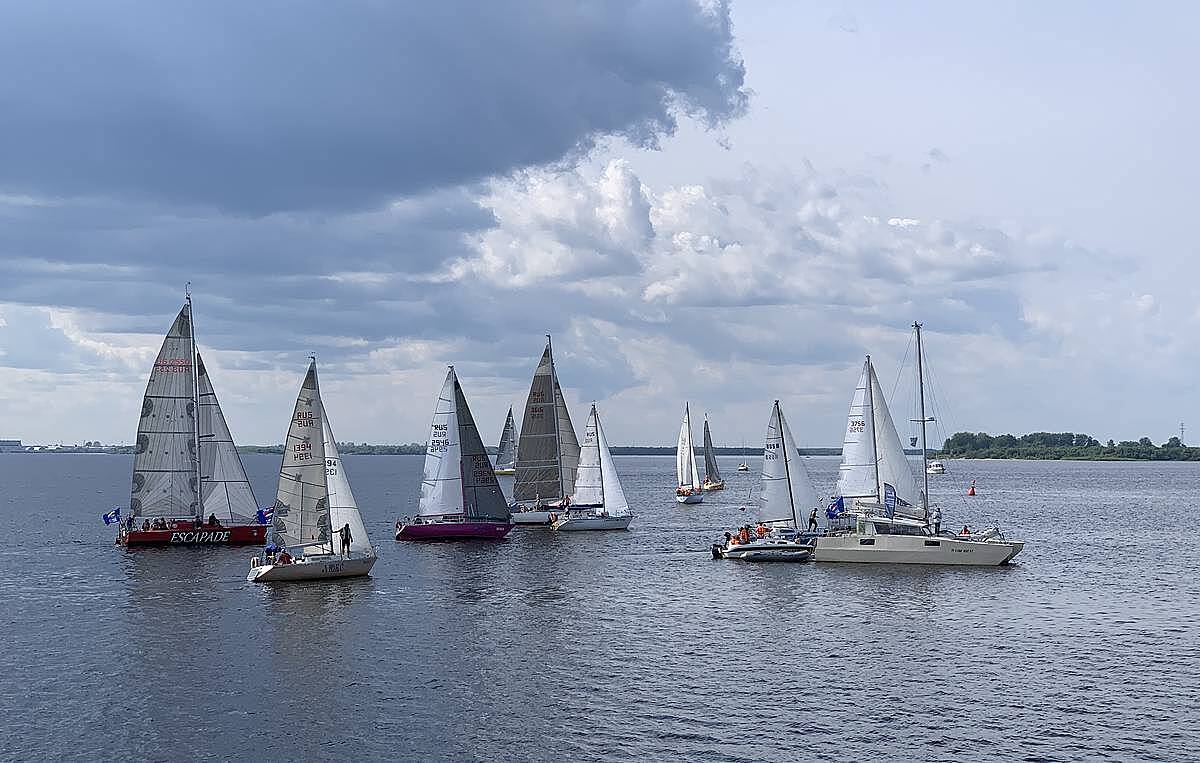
[(264, 516), (113, 516), (835, 508), (889, 499)]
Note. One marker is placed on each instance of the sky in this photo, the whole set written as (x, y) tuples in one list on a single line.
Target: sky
[(724, 203)]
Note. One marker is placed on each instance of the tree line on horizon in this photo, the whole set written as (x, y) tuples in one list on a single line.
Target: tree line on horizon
[(1064, 445)]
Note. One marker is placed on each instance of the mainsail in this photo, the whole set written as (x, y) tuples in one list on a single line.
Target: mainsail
[(302, 500), (225, 490), (711, 471), (343, 510), (787, 489), (459, 479), (598, 484), (873, 460), (547, 450), (506, 455), (164, 457), (685, 455)]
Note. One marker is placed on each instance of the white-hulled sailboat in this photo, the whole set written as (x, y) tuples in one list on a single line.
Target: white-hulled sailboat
[(189, 486), (599, 502), (506, 454), (689, 489), (547, 450), (712, 472), (879, 514), (460, 497), (318, 532), (787, 497)]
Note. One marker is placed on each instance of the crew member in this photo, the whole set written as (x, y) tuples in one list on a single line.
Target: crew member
[(346, 538), (812, 521)]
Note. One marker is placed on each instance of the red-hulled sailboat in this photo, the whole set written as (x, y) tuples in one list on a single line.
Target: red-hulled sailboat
[(189, 486)]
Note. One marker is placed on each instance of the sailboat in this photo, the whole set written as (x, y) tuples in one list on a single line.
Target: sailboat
[(689, 489), (506, 454), (599, 502), (743, 466), (712, 473), (547, 450), (185, 465), (880, 514), (317, 530), (460, 497), (787, 496)]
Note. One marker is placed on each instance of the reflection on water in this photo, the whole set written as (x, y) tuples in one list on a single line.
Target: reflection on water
[(634, 644)]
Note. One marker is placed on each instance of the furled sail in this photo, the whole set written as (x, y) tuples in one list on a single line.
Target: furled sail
[(506, 455), (164, 456), (302, 500), (787, 490), (547, 450), (482, 496), (711, 470), (343, 510), (598, 484), (225, 490), (685, 454)]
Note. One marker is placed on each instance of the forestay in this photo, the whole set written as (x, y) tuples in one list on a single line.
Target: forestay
[(787, 489), (598, 484), (225, 490), (164, 456), (711, 470), (685, 454), (301, 501), (343, 510)]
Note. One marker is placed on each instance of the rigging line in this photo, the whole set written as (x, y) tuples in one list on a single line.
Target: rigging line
[(900, 368)]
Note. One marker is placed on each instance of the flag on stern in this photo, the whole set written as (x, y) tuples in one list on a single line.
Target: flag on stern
[(835, 507), (265, 515), (889, 499), (112, 516)]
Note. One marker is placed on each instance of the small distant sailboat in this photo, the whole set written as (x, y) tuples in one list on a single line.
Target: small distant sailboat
[(935, 467), (460, 497), (189, 485), (689, 489), (547, 450), (599, 502), (787, 496), (712, 472), (317, 528), (506, 454), (743, 466)]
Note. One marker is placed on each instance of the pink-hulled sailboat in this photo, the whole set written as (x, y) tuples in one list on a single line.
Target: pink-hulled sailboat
[(460, 497)]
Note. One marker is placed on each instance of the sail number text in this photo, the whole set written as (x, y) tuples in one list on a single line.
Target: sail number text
[(857, 425), (439, 438)]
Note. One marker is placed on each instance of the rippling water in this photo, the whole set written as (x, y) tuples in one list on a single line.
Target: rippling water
[(635, 645)]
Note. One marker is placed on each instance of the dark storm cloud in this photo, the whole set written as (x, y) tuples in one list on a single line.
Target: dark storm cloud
[(268, 106)]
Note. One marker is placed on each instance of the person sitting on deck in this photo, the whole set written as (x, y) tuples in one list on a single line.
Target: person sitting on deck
[(213, 521), (745, 534), (285, 557), (965, 531), (146, 525), (761, 530), (729, 541)]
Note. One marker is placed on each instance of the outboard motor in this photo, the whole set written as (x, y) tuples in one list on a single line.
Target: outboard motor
[(716, 550)]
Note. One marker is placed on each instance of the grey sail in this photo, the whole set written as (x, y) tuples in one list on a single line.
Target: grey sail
[(538, 469), (164, 456), (302, 499), (568, 443), (506, 456), (482, 496), (711, 471), (224, 489)]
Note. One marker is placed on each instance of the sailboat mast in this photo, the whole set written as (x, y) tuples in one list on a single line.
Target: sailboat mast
[(924, 420), (787, 472), (562, 485), (599, 454), (187, 290), (874, 445)]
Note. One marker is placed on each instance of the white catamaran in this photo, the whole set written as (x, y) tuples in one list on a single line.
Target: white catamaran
[(599, 502), (689, 489), (788, 496), (189, 485), (547, 450), (712, 472), (318, 531), (506, 454), (880, 515)]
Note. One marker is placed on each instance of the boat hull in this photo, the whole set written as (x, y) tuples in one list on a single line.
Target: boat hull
[(915, 549), (765, 550), (433, 531), (207, 535), (585, 523), (532, 517), (318, 568), (711, 486), (693, 498)]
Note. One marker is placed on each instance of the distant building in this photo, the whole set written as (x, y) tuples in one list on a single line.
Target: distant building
[(11, 446)]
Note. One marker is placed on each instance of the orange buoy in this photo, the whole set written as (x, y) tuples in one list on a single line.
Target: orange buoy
[(971, 490)]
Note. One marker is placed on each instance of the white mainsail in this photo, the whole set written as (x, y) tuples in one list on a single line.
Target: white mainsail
[(857, 474), (343, 510), (787, 490), (598, 484), (685, 454), (225, 490), (441, 487), (302, 500), (164, 456)]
